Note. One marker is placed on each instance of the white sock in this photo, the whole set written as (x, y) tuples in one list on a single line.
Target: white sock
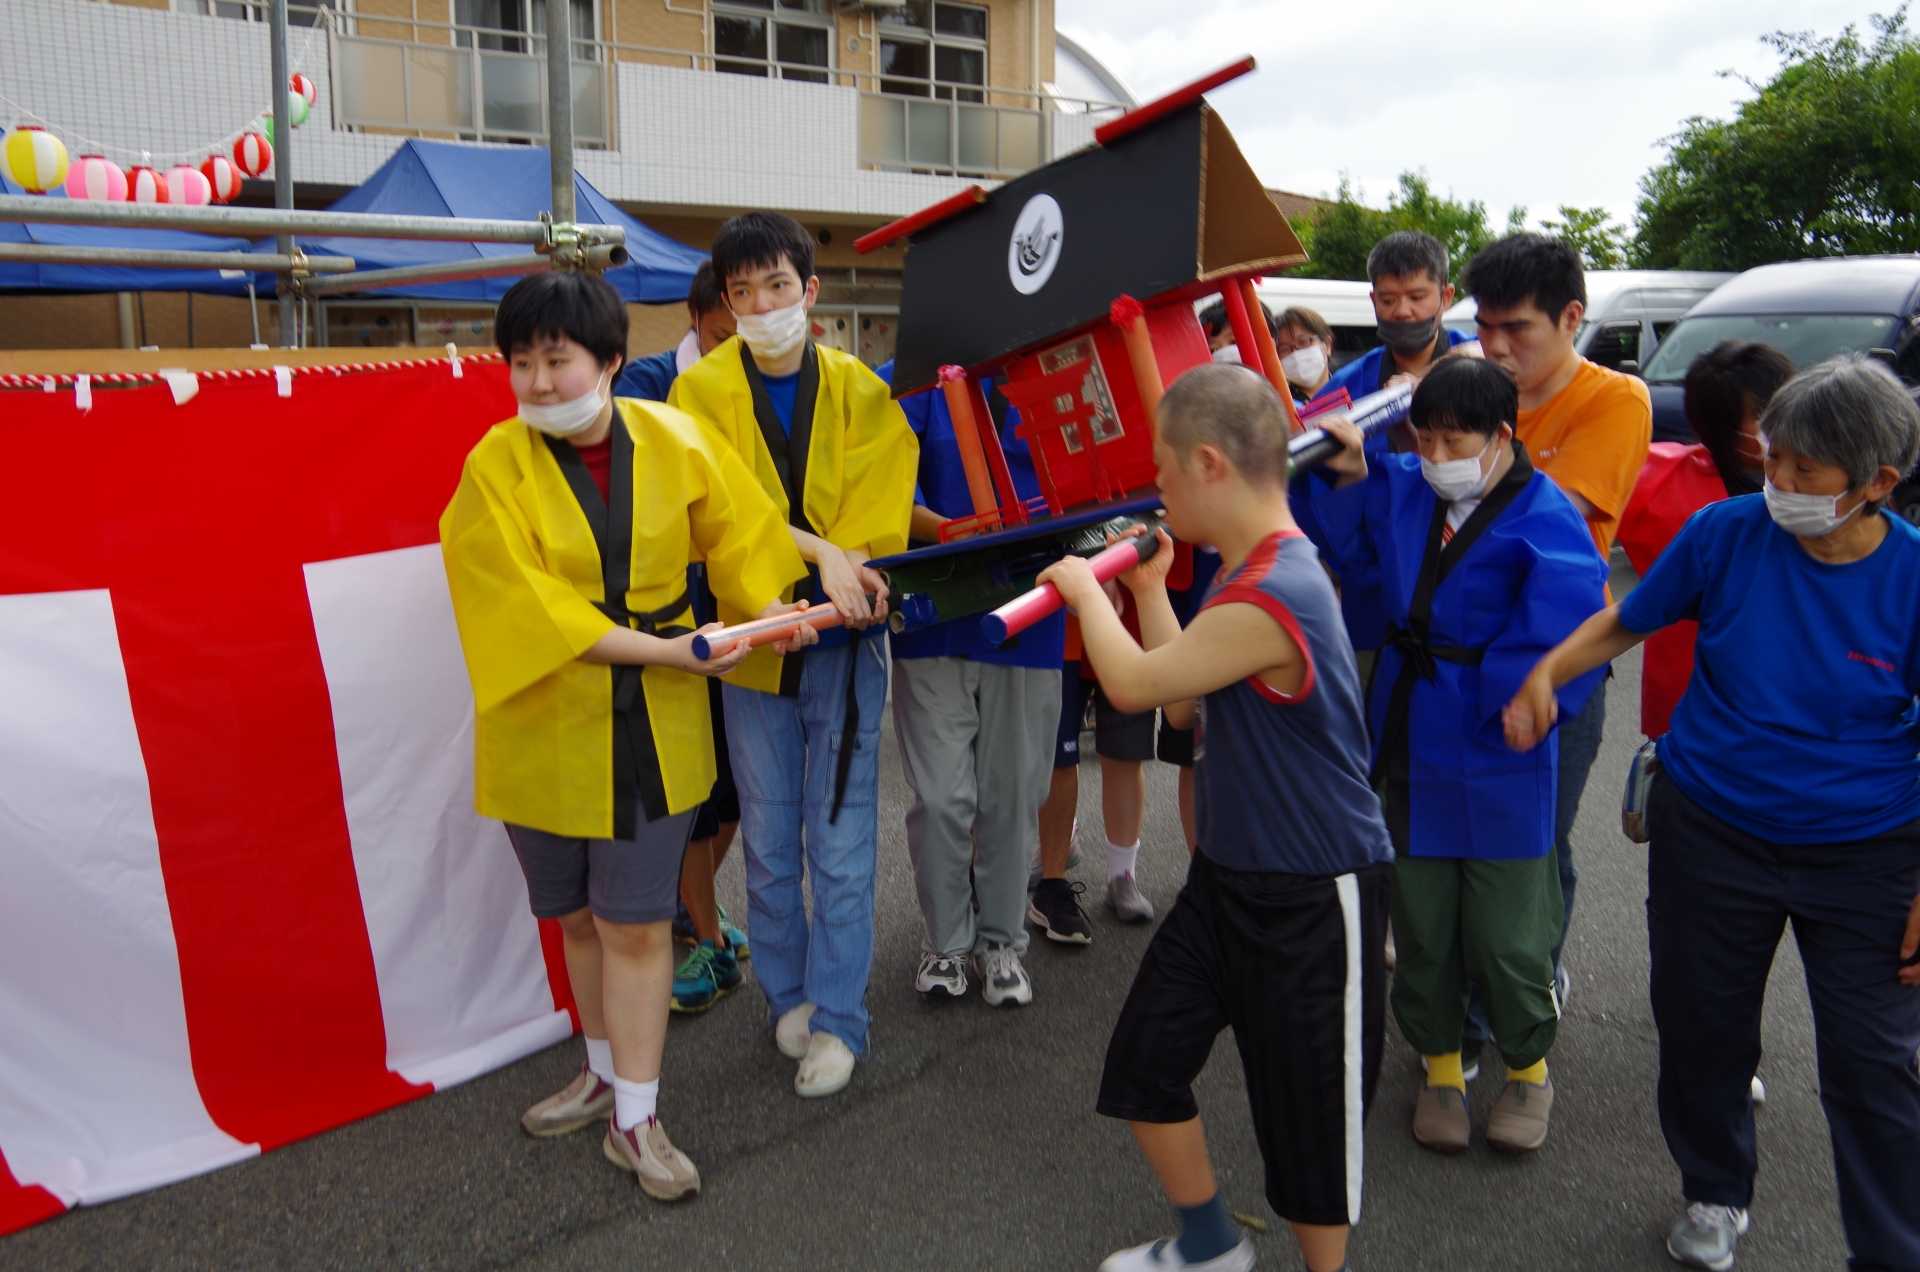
[(1120, 861), (634, 1102), (600, 1059)]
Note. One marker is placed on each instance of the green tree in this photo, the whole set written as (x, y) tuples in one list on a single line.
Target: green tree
[(1339, 237), (1601, 245), (1821, 162)]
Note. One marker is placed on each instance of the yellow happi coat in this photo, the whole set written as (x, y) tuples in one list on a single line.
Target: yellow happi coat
[(862, 461), (525, 573)]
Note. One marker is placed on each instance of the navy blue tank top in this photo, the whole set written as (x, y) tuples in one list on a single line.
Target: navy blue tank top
[(1282, 778)]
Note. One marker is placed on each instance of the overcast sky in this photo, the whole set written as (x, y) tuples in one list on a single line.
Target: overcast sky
[(1530, 102)]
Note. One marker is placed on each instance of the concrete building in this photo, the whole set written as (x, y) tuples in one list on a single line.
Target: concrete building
[(843, 113)]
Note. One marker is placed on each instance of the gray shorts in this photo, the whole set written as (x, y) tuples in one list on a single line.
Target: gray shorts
[(621, 880)]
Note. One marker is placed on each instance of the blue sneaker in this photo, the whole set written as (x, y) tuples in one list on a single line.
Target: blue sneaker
[(705, 977), (736, 939)]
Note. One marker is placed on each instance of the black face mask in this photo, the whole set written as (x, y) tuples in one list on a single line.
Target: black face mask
[(1410, 336)]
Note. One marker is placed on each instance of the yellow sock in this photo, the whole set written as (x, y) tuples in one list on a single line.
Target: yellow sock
[(1534, 1074), (1445, 1071)]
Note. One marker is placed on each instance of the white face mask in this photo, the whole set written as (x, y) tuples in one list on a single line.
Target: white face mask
[(772, 336), (1457, 479), (565, 419), (1305, 366), (1229, 354), (1807, 516)]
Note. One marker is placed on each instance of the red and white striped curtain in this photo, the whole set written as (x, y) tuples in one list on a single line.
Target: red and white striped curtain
[(243, 894)]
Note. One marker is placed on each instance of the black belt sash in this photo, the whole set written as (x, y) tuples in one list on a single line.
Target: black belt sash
[(1420, 654), (638, 784), (788, 448)]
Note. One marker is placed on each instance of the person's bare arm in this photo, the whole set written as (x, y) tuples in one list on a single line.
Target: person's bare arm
[(924, 525), (1535, 709), (846, 578), (1225, 643)]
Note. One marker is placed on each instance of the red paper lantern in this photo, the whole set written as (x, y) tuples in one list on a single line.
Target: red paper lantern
[(304, 86), (222, 176), (252, 153), (144, 185)]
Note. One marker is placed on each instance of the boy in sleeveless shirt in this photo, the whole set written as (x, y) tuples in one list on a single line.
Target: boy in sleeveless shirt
[(1280, 929)]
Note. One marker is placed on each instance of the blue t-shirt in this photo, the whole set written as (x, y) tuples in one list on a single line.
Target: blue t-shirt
[(1800, 724), (783, 391), (943, 488)]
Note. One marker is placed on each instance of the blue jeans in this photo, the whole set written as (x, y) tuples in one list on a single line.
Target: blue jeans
[(785, 753)]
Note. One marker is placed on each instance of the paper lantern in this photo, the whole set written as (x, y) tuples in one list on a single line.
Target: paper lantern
[(223, 179), (253, 153), (144, 185), (188, 186), (305, 87), (96, 177), (297, 109), (36, 159), (264, 125)]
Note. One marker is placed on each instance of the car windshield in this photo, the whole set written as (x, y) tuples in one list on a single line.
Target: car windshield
[(1804, 338)]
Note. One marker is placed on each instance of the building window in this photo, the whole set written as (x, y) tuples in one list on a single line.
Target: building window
[(298, 14), (932, 48), (513, 26), (788, 39)]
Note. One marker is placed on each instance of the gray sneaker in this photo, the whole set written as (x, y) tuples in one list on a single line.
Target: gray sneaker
[(1704, 1237), (941, 976), (1003, 979), (1126, 902)]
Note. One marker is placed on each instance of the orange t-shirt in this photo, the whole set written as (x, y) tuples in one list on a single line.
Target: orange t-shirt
[(1591, 438)]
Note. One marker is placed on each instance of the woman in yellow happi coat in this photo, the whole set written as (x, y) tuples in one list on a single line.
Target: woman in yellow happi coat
[(566, 546)]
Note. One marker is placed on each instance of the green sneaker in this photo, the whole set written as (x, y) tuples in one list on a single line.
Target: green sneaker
[(704, 978), (736, 939)]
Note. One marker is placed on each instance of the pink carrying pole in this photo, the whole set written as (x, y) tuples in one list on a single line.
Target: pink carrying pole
[(764, 631), (1023, 611)]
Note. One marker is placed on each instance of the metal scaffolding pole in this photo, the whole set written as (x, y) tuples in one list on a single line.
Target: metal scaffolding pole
[(260, 222), (595, 258), (560, 105), (144, 258), (282, 151)]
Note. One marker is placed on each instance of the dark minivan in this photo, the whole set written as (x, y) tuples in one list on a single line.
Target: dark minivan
[(1810, 311)]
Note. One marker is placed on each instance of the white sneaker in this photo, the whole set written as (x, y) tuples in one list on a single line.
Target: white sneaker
[(1003, 979), (1758, 1090), (1127, 902), (941, 976), (1164, 1256), (1705, 1236), (791, 1032), (826, 1069)]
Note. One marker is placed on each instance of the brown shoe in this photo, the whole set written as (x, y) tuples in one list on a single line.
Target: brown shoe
[(581, 1102), (1518, 1123), (664, 1171), (1440, 1119)]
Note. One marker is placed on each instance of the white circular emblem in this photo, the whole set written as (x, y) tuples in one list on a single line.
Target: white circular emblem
[(1036, 244)]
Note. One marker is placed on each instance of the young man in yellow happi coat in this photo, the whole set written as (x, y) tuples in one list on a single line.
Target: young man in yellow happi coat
[(566, 547), (828, 444)]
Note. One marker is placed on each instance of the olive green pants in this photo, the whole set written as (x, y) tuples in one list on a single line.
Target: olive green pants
[(1495, 922)]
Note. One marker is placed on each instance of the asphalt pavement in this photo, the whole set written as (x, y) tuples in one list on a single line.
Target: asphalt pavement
[(968, 1138)]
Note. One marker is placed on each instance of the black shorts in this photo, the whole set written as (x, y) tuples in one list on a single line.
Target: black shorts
[(1294, 964), (723, 806), (1117, 735)]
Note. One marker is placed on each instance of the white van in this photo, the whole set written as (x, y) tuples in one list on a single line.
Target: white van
[(1629, 311)]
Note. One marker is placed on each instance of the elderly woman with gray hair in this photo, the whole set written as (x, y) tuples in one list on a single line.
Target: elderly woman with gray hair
[(1788, 789)]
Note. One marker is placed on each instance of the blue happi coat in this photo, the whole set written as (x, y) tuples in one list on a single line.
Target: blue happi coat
[(1458, 628)]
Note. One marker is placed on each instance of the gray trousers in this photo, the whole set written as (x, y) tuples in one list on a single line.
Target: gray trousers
[(976, 741)]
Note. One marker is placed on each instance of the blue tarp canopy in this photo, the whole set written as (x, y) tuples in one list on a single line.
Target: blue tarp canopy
[(443, 178), (19, 276)]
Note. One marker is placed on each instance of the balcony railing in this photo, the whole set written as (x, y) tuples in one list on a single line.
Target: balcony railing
[(421, 76)]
